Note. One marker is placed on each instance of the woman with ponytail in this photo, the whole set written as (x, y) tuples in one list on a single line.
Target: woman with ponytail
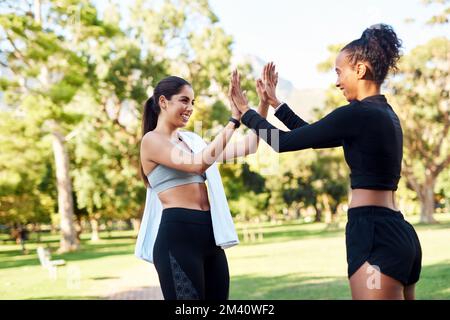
[(187, 240), (383, 250)]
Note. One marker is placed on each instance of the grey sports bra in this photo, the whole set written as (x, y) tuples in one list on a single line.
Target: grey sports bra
[(162, 177)]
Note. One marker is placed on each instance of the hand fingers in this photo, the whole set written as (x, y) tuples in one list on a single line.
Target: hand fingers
[(265, 72), (235, 78), (259, 84), (268, 72), (272, 73)]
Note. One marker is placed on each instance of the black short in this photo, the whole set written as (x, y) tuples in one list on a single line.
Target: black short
[(383, 238)]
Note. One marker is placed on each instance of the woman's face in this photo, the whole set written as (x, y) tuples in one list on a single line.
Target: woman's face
[(179, 108), (347, 76)]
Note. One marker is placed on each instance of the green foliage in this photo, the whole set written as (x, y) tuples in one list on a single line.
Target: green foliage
[(90, 77), (420, 96), (27, 189)]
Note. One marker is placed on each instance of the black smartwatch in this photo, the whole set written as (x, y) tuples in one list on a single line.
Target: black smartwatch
[(237, 123)]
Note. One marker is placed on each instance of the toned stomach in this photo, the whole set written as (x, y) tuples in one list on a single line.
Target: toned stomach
[(190, 196), (365, 197)]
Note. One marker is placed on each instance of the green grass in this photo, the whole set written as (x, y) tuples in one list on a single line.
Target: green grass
[(307, 261), (291, 261), (22, 277)]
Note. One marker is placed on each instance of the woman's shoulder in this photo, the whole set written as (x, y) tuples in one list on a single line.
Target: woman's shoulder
[(152, 140)]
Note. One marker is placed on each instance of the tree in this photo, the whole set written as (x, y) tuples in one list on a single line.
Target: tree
[(26, 182), (45, 76), (420, 92), (96, 74)]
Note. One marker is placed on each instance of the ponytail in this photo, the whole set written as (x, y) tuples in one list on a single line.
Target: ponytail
[(149, 122), (150, 117)]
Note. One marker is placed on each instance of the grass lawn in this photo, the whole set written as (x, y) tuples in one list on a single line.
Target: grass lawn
[(291, 261), (305, 261), (87, 274)]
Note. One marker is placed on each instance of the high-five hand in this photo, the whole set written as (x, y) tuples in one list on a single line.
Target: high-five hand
[(239, 98), (270, 80), (235, 112), (261, 89)]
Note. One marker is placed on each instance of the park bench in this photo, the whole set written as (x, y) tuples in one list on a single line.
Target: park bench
[(46, 262)]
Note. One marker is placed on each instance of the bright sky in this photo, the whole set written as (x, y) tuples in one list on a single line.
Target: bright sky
[(295, 33)]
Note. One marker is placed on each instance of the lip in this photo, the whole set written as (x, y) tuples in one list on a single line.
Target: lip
[(185, 117)]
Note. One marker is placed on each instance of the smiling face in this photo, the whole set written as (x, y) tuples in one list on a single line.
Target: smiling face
[(180, 107)]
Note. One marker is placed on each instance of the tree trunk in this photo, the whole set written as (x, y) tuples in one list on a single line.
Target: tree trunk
[(69, 241), (318, 217), (94, 227), (327, 208), (334, 213), (427, 201)]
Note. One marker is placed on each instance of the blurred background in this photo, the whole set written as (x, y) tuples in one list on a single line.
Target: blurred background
[(73, 79)]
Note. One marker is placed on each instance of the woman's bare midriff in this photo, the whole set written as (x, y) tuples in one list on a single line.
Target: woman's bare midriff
[(380, 198), (190, 196)]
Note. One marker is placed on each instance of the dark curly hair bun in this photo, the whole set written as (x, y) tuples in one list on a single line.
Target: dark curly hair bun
[(380, 47)]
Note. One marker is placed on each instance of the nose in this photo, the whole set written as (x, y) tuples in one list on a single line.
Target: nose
[(338, 84)]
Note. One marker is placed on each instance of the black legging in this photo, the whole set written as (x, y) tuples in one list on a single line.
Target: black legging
[(189, 263)]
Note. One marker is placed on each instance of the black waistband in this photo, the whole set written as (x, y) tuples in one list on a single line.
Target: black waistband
[(186, 215), (373, 211)]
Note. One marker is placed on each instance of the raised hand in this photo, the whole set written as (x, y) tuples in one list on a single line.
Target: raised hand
[(270, 80), (238, 97), (235, 113), (262, 95)]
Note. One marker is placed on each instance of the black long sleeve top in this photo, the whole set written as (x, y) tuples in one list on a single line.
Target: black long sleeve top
[(368, 130)]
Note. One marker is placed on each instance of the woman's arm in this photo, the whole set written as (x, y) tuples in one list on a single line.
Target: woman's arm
[(342, 123)]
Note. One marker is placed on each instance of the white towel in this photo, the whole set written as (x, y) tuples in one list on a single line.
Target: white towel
[(223, 226)]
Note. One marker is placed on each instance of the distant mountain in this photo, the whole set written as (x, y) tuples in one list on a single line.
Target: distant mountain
[(302, 101)]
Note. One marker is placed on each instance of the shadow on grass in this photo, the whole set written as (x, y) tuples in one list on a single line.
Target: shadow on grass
[(434, 282), (15, 258), (289, 287)]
